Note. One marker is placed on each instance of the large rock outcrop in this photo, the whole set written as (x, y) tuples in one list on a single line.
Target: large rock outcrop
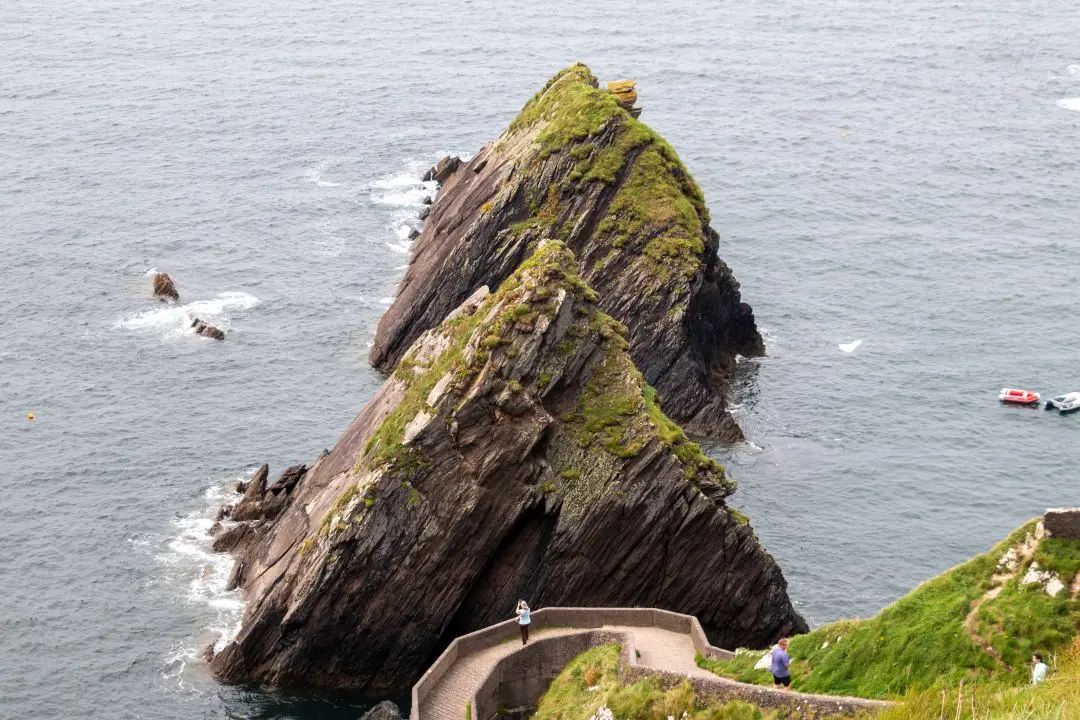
[(576, 166), (515, 453)]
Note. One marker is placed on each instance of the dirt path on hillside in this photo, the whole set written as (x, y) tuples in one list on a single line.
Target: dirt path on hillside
[(1014, 560)]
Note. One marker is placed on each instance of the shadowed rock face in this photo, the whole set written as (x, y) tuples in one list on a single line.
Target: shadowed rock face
[(576, 166), (515, 453)]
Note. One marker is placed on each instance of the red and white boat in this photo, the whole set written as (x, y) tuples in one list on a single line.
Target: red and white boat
[(1018, 397)]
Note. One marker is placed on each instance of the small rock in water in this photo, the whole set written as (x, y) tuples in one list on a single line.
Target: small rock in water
[(164, 289), (428, 175), (413, 234), (385, 710), (424, 212), (427, 200), (207, 330)]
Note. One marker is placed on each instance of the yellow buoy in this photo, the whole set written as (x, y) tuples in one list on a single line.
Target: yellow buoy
[(30, 417)]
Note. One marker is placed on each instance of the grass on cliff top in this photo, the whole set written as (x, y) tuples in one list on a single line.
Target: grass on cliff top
[(590, 682), (658, 214), (1056, 698), (919, 642)]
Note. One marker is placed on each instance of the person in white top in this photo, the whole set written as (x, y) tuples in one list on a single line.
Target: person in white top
[(1038, 669), (523, 620)]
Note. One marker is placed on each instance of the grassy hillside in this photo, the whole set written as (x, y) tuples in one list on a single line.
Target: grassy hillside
[(1058, 698), (976, 623), (590, 682)]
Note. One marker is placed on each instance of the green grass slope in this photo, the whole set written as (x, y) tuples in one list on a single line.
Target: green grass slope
[(926, 639), (591, 682)]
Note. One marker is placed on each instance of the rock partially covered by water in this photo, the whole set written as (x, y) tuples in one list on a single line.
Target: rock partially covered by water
[(516, 452), (164, 289), (207, 330), (385, 710), (576, 165)]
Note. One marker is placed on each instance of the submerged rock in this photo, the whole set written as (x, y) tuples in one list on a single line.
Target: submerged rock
[(575, 165), (207, 330), (515, 452), (164, 289)]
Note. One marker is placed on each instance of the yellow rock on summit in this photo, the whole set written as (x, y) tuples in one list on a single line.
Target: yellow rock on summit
[(625, 91)]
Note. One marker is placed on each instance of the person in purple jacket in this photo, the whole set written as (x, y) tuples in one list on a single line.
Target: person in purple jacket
[(781, 664)]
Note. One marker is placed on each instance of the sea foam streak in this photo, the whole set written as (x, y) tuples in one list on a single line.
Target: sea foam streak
[(851, 346), (177, 318), (189, 554), (1070, 104)]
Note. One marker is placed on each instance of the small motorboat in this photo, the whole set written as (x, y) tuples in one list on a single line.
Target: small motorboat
[(1067, 403), (1018, 397)]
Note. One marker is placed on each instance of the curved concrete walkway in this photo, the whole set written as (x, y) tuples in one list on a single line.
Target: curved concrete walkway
[(659, 649), (483, 670)]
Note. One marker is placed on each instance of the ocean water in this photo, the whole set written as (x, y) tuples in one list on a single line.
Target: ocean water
[(904, 175)]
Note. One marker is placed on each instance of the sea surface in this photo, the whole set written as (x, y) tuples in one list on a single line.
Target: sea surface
[(901, 174)]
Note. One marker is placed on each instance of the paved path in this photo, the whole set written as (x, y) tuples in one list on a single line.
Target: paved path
[(659, 649)]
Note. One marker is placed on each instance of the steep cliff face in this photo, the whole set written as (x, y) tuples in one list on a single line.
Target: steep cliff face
[(576, 166), (515, 453)]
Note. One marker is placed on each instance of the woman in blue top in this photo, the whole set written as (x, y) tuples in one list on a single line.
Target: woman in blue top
[(523, 620)]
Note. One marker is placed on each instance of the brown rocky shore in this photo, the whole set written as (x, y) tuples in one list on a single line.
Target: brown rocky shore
[(520, 447)]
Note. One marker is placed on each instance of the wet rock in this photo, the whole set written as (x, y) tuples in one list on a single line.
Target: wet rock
[(428, 175), (424, 212), (414, 233), (427, 200), (207, 330), (164, 288), (385, 710)]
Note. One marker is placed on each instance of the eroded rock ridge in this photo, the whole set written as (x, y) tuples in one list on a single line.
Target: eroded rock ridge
[(575, 165)]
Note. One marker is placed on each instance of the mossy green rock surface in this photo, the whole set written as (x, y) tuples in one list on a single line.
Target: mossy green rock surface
[(516, 452), (574, 165)]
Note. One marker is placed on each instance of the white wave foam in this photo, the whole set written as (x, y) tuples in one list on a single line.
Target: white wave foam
[(851, 346), (178, 318), (1073, 70), (315, 175), (402, 247), (1070, 104), (387, 301), (189, 554)]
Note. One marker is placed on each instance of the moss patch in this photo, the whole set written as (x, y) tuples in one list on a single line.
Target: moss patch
[(658, 213)]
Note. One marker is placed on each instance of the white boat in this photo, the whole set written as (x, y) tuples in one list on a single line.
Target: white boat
[(1067, 403)]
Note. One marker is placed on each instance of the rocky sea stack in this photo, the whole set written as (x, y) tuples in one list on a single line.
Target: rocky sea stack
[(576, 166), (516, 450)]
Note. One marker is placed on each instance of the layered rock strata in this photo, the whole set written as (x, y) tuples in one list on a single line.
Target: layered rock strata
[(574, 165), (515, 452)]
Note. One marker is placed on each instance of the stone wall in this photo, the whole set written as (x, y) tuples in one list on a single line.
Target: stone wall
[(1063, 523), (518, 681), (799, 705)]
